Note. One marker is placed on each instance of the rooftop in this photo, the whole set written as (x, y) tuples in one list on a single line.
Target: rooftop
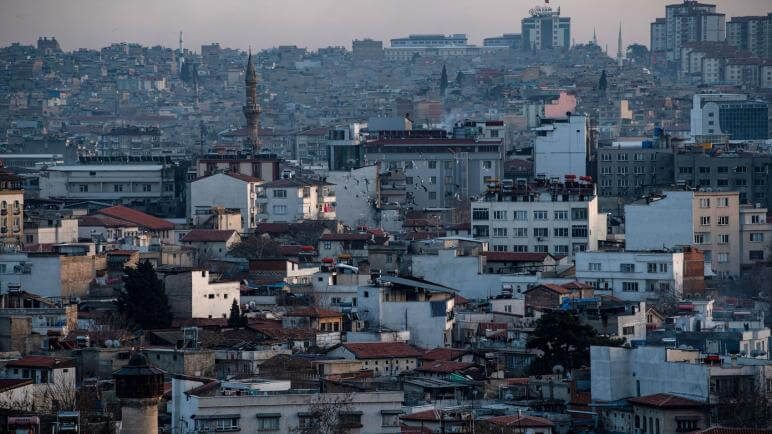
[(42, 362), (137, 217), (382, 350), (208, 235)]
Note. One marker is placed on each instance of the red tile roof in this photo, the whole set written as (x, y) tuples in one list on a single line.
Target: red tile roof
[(42, 362), (102, 221), (443, 354), (665, 400), (7, 384), (427, 415), (137, 217), (273, 228), (521, 421), (457, 300), (576, 285), (515, 256), (345, 237), (315, 312), (443, 366), (382, 350), (242, 177), (208, 235), (551, 286)]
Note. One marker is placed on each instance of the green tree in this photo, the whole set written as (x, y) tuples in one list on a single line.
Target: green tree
[(564, 340), (236, 317), (143, 299), (603, 82), (443, 81), (638, 53)]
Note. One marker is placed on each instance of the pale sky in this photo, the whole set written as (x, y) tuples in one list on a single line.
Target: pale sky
[(318, 23)]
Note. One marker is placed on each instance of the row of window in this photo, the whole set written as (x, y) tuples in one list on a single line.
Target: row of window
[(117, 188), (704, 238), (651, 267), (721, 169), (722, 220), (540, 248), (563, 215), (721, 202), (577, 231)]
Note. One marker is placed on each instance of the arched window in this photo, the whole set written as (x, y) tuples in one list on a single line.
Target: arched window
[(637, 421)]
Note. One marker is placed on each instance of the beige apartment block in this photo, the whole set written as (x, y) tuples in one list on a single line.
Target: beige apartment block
[(755, 235), (717, 230)]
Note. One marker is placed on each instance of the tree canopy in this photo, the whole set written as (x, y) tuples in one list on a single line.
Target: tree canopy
[(564, 340), (143, 299), (236, 317)]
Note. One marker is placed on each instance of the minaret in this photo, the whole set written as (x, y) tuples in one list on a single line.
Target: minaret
[(180, 55), (252, 109), (619, 46), (594, 37), (139, 386)]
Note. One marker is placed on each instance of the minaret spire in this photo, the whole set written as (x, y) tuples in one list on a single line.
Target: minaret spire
[(619, 46), (594, 37), (251, 108)]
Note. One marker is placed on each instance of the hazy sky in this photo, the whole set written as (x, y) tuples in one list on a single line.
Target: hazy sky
[(317, 23)]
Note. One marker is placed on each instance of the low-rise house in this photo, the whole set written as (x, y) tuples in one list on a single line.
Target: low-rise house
[(28, 322), (196, 362), (53, 381), (193, 294), (383, 358), (519, 424), (328, 324), (211, 243), (230, 190), (294, 199), (546, 295), (668, 413)]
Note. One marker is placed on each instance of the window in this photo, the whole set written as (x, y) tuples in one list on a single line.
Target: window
[(499, 248), (499, 215), (578, 213), (663, 268), (561, 215), (328, 245), (722, 182), (147, 187), (521, 215), (684, 170), (723, 202), (561, 249), (560, 232), (479, 213), (268, 422), (389, 418), (630, 286), (118, 188), (723, 238), (705, 220), (280, 209), (622, 170), (350, 419), (704, 169), (627, 268), (499, 232), (723, 220), (741, 169), (722, 169), (409, 180), (701, 238), (757, 219), (686, 425), (627, 331), (520, 248), (280, 194), (705, 203), (740, 182), (651, 267), (432, 164), (622, 157), (605, 157), (756, 255), (432, 195), (480, 231), (541, 232), (541, 249), (487, 164), (595, 266), (605, 170), (520, 232), (540, 215), (757, 237), (579, 231), (723, 257), (83, 188), (432, 180)]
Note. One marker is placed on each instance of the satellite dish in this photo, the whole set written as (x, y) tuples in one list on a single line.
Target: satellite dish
[(558, 369)]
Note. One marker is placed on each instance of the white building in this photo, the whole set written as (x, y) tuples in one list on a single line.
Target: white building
[(294, 199), (547, 217), (53, 379), (51, 231), (560, 147), (192, 294), (644, 222), (354, 204), (125, 183), (423, 308), (635, 276), (229, 190), (276, 410)]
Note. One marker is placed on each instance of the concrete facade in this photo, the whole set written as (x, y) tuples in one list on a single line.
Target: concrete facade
[(717, 230), (560, 147), (192, 295), (229, 191), (643, 222)]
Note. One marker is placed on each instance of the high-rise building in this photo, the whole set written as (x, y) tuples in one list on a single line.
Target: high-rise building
[(546, 29), (252, 109), (752, 34), (511, 40), (690, 21), (732, 115)]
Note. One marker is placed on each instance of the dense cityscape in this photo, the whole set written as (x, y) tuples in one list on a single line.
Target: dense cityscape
[(534, 235)]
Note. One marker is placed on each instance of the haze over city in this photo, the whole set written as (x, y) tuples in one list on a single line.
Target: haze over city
[(316, 23)]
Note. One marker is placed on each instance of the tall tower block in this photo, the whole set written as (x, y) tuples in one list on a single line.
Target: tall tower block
[(139, 386), (252, 109)]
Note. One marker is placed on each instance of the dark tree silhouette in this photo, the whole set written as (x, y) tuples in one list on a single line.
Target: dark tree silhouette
[(236, 317), (638, 53), (443, 81), (603, 82), (564, 340), (256, 247), (143, 298)]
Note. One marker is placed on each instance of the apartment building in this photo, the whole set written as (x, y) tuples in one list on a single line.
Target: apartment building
[(752, 34), (11, 206), (716, 221), (733, 115), (633, 167), (561, 147), (229, 190), (195, 294), (560, 218), (294, 199), (755, 235)]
